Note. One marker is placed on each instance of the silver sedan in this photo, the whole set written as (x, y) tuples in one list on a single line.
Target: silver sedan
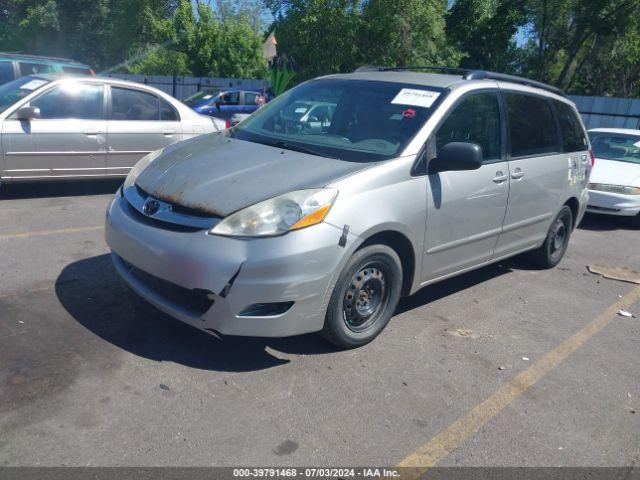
[(87, 127)]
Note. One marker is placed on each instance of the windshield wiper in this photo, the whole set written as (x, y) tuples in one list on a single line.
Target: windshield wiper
[(300, 148)]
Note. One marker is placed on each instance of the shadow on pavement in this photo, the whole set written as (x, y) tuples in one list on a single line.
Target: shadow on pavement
[(605, 223), (458, 283), (93, 293), (14, 191)]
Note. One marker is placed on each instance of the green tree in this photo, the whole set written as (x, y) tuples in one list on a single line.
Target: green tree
[(327, 36), (203, 43), (142, 36), (320, 35), (100, 32), (582, 46), (610, 67), (564, 34), (405, 33), (484, 31)]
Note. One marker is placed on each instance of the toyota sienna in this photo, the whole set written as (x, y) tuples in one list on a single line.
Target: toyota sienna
[(287, 224)]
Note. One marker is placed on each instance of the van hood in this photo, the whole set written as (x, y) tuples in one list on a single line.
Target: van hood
[(219, 175)]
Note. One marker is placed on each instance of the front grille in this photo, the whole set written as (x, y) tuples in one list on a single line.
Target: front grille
[(154, 222), (196, 302), (169, 216)]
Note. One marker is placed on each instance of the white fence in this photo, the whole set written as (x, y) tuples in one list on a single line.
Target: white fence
[(181, 87)]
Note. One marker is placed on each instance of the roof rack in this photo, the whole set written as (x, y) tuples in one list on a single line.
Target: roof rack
[(38, 57), (483, 74), (468, 74), (453, 70)]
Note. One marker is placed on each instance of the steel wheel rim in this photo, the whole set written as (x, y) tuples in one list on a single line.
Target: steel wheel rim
[(365, 298), (558, 238)]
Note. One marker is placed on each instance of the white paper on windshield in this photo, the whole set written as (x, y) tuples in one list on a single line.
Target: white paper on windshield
[(637, 144), (416, 98), (33, 84), (301, 110)]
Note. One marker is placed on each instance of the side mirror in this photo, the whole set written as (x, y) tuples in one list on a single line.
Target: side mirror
[(28, 113), (456, 156)]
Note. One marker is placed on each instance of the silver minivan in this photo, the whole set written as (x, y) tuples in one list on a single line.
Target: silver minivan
[(78, 127), (287, 224)]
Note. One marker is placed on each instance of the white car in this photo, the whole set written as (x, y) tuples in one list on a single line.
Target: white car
[(614, 186)]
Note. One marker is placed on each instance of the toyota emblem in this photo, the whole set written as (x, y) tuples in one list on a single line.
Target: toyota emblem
[(151, 206)]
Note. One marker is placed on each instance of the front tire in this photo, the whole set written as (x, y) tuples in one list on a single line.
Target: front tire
[(364, 297), (557, 241)]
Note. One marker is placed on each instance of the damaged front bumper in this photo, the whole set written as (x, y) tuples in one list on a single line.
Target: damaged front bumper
[(214, 283)]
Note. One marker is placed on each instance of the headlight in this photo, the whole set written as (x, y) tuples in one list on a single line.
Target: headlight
[(603, 187), (140, 166), (279, 215)]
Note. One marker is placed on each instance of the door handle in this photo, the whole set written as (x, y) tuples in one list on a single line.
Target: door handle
[(92, 131), (168, 133), (517, 174), (500, 177)]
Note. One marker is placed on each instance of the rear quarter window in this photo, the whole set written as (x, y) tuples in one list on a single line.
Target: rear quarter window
[(32, 68), (167, 112), (574, 138), (532, 125), (129, 104)]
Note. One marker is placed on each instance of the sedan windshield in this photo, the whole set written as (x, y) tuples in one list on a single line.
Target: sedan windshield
[(11, 92), (353, 120), (616, 146)]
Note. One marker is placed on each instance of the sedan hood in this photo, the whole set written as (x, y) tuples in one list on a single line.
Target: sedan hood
[(219, 175), (613, 172)]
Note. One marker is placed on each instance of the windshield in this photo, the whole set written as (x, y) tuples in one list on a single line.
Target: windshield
[(11, 92), (616, 146), (348, 119)]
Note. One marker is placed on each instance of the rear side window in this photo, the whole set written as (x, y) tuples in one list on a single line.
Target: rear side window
[(573, 137), (230, 98), (6, 72), (133, 105), (250, 98), (532, 125), (167, 112), (476, 120), (71, 100), (30, 68)]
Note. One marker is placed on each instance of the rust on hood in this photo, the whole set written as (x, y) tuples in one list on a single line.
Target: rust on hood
[(218, 176)]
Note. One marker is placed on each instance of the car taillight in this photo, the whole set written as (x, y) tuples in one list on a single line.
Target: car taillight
[(593, 158), (227, 123)]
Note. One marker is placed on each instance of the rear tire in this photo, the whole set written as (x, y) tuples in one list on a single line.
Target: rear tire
[(557, 241), (364, 297)]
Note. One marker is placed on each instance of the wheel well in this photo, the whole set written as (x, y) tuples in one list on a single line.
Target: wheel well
[(572, 203), (403, 247)]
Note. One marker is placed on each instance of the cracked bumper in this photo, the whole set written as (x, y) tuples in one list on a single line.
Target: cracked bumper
[(301, 267)]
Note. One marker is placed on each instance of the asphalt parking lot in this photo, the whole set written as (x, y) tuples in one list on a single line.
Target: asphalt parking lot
[(505, 366)]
